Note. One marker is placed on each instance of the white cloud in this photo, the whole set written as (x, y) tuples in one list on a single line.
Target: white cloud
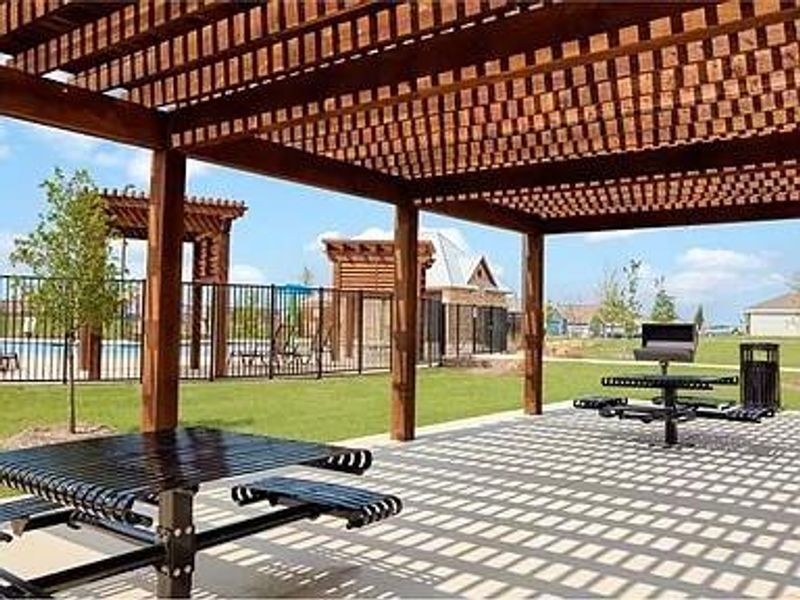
[(596, 237), (134, 163), (243, 273), (715, 274), (716, 258), (317, 244), (374, 233)]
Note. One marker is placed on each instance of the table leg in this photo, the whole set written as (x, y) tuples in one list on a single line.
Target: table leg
[(670, 426), (176, 531)]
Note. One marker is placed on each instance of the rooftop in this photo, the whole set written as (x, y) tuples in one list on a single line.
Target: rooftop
[(790, 301)]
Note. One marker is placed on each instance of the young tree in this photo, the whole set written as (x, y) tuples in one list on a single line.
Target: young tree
[(632, 280), (663, 310), (699, 318), (613, 306), (69, 251)]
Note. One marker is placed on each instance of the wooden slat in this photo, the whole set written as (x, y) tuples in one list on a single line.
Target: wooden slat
[(500, 38), (122, 32), (774, 147), (228, 39), (533, 322), (404, 324), (29, 98), (25, 24), (665, 102), (162, 343)]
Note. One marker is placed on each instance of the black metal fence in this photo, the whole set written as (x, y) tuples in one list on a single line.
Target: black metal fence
[(243, 331)]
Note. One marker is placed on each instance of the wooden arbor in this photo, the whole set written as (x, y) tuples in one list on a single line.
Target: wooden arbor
[(207, 226), (541, 118), (367, 265)]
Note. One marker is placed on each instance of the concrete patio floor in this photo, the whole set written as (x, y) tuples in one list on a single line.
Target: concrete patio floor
[(567, 504)]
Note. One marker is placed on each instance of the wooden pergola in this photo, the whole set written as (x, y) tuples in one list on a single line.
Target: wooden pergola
[(207, 226), (537, 117)]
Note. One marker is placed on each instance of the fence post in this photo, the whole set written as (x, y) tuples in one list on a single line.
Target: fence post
[(272, 345), (142, 301), (212, 346), (360, 331), (442, 332), (474, 310), (320, 331), (458, 329)]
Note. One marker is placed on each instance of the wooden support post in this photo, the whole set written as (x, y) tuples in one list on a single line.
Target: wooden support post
[(404, 323), (197, 306), (163, 295), (90, 350), (220, 342), (349, 322), (533, 321), (336, 313)]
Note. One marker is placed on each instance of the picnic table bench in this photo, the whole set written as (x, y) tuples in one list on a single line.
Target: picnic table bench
[(141, 487)]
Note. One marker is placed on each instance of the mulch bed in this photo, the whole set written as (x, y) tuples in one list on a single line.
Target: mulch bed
[(41, 435)]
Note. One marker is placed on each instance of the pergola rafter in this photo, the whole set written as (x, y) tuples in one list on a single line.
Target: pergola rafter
[(540, 118), (256, 31)]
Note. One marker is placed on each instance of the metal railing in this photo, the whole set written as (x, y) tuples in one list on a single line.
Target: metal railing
[(242, 331)]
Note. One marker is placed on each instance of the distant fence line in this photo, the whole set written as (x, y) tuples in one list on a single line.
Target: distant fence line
[(239, 330)]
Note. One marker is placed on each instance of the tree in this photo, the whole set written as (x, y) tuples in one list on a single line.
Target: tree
[(663, 310), (307, 276), (699, 318), (613, 307), (632, 303), (69, 251)]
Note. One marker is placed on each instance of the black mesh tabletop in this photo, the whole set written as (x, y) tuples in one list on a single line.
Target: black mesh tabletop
[(107, 475), (659, 381)]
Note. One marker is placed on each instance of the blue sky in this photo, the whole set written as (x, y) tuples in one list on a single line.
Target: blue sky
[(726, 268)]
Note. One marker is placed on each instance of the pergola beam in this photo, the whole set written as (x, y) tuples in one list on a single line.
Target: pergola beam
[(265, 158), (699, 156), (484, 213), (30, 98), (498, 39)]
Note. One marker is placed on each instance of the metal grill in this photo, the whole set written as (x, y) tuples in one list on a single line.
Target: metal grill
[(358, 506)]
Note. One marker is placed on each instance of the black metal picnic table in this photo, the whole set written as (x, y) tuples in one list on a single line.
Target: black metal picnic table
[(669, 384), (114, 483)]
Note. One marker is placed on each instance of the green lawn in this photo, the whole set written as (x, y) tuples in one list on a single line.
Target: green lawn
[(722, 350), (328, 409)]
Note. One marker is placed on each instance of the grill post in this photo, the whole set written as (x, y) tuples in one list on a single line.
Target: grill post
[(176, 532)]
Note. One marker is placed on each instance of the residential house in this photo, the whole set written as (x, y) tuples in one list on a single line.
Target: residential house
[(776, 317)]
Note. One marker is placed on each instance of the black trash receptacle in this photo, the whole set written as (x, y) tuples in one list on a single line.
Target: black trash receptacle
[(760, 377)]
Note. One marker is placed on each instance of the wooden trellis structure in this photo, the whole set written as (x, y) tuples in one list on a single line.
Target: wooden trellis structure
[(538, 117), (207, 226)]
